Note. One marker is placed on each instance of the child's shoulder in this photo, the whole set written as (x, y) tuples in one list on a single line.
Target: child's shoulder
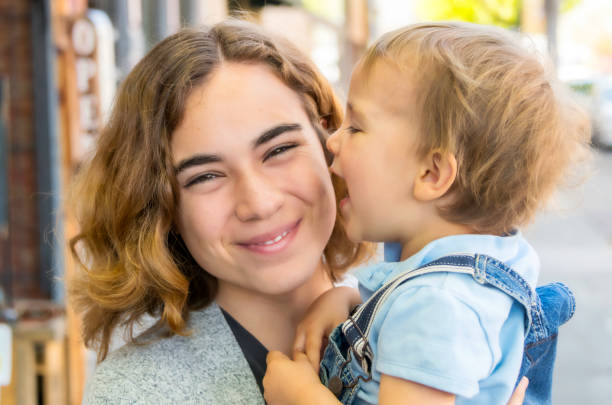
[(462, 287)]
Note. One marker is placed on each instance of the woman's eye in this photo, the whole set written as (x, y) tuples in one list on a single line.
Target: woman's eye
[(278, 150), (202, 178), (353, 130)]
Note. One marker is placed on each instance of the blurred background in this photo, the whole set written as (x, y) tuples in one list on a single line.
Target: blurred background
[(61, 61)]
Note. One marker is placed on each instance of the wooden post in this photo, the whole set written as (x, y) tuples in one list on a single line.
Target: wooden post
[(54, 369), (25, 373), (64, 12), (533, 18), (356, 36), (552, 19)]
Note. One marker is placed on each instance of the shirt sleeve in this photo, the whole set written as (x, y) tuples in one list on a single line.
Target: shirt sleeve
[(434, 338)]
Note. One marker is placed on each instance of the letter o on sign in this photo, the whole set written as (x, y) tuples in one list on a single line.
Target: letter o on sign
[(83, 37)]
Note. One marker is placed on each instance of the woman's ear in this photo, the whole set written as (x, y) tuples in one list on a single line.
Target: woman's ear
[(436, 175), (324, 123)]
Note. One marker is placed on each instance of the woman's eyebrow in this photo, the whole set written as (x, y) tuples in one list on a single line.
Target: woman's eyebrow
[(275, 131), (195, 160)]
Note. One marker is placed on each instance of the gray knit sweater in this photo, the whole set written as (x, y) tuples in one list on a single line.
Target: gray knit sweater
[(207, 367)]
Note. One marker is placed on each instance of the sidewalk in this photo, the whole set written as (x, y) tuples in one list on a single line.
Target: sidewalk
[(575, 246)]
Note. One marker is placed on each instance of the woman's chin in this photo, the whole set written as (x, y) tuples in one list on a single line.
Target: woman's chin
[(283, 286)]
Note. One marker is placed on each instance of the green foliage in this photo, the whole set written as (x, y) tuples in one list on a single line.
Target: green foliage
[(332, 10), (567, 5), (503, 13)]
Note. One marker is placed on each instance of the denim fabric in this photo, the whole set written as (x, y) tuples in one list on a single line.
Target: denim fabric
[(557, 307), (334, 366), (545, 310)]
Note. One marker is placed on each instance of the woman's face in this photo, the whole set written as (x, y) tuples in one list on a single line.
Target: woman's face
[(256, 203)]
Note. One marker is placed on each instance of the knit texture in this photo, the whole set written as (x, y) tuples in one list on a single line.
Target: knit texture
[(207, 367)]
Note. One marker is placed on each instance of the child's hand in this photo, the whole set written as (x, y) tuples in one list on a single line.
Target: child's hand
[(293, 381), (326, 312), (518, 396)]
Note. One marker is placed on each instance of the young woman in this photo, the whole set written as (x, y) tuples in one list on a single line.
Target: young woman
[(208, 204)]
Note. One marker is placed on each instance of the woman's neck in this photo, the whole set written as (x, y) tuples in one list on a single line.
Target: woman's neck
[(272, 319)]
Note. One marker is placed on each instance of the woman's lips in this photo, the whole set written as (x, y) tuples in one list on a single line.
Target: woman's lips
[(272, 242)]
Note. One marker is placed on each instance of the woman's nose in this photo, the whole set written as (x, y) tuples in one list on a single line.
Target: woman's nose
[(258, 197)]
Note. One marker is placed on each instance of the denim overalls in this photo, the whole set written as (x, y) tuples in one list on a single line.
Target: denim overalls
[(546, 309)]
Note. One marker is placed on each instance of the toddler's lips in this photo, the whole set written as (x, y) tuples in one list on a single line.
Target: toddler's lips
[(344, 201)]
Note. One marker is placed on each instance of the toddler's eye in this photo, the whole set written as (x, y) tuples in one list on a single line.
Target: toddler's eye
[(278, 150)]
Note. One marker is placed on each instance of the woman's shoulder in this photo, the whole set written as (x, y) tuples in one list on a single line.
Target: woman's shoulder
[(205, 366)]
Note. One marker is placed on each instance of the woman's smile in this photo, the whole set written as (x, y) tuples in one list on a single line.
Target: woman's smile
[(272, 242)]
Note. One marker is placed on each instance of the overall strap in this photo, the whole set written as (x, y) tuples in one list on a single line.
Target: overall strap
[(489, 270), (484, 269)]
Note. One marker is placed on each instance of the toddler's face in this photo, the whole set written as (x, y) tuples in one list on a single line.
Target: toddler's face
[(376, 153)]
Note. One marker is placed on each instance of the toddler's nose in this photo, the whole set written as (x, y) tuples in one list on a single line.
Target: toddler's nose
[(333, 142)]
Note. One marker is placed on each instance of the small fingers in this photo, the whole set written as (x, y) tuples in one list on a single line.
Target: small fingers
[(300, 357), (522, 385), (313, 349), (519, 392), (275, 355), (300, 339)]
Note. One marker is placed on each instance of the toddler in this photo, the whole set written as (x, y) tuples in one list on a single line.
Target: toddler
[(454, 136)]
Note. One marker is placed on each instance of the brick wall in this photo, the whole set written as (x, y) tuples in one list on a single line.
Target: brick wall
[(22, 268)]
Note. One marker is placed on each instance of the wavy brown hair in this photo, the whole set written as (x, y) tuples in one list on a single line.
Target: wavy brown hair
[(492, 102), (130, 261)]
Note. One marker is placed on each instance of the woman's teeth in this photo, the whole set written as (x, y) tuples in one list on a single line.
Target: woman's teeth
[(275, 240)]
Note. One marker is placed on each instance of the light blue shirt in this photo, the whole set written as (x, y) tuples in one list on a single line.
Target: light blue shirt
[(445, 330)]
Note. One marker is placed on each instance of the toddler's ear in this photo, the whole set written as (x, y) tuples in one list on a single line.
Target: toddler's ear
[(436, 176)]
